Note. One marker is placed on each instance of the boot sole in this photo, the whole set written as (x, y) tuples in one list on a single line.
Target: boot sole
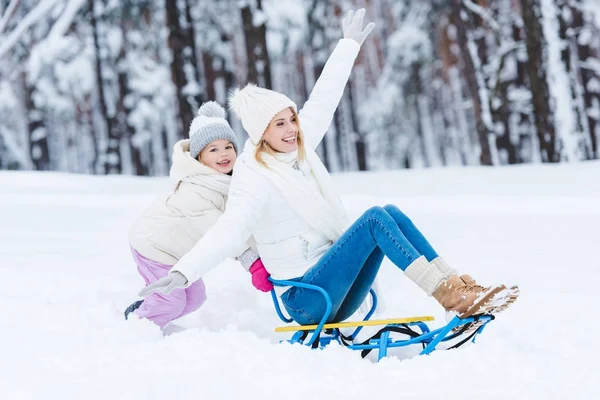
[(492, 302)]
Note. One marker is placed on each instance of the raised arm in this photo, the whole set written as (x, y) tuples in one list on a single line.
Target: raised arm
[(317, 113)]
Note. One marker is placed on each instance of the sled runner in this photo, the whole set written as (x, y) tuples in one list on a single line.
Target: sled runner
[(414, 329)]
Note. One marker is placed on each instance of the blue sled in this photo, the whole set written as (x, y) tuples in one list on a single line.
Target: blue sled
[(319, 336)]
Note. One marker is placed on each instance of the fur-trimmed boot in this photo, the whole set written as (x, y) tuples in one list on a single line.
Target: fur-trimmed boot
[(469, 299), (460, 294)]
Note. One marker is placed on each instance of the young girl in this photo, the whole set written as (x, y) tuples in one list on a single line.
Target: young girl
[(201, 174), (282, 195)]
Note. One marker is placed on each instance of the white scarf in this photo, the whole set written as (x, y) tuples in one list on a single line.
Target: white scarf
[(185, 168), (323, 210)]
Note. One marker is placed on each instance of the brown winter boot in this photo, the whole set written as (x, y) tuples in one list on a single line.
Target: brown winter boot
[(456, 293), (463, 295), (468, 280)]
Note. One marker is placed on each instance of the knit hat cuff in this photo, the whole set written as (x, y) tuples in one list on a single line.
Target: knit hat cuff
[(257, 129), (257, 107), (208, 126), (208, 134), (204, 121)]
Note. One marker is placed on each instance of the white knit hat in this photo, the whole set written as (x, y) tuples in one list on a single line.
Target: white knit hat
[(256, 107), (210, 125)]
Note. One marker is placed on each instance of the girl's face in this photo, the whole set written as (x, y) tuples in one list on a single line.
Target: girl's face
[(219, 155), (282, 132)]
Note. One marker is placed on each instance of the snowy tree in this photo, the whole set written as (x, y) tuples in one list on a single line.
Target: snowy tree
[(320, 37), (255, 35), (467, 26), (537, 70), (397, 119), (579, 55), (216, 34), (107, 86), (510, 93), (184, 65), (112, 158)]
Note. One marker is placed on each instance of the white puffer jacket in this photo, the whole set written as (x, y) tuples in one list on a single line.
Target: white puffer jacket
[(174, 223), (287, 244)]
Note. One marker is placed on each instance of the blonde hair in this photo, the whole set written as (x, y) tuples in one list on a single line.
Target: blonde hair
[(264, 147)]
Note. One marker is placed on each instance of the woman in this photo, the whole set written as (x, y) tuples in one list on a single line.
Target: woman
[(283, 196)]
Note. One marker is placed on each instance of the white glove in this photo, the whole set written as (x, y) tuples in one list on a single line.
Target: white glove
[(352, 26), (165, 285)]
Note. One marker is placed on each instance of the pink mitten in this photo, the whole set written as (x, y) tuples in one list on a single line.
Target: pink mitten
[(260, 276)]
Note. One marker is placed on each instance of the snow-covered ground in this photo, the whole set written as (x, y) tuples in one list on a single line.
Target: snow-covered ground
[(67, 275)]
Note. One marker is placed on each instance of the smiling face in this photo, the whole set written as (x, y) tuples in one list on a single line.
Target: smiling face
[(219, 155), (282, 132)]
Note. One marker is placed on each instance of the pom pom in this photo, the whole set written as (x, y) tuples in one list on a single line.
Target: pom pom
[(211, 109), (239, 98)]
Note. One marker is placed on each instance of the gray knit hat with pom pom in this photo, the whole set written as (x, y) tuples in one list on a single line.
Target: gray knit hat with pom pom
[(209, 125)]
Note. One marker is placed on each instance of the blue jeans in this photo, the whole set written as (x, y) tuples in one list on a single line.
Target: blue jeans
[(347, 270)]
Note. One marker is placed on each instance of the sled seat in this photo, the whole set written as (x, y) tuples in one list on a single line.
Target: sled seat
[(322, 334), (353, 324)]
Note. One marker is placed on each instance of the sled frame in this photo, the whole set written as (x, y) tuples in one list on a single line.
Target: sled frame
[(324, 333)]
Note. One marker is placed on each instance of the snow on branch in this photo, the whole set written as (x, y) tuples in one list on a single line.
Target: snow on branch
[(30, 19), (13, 148), (503, 53), (62, 24), (10, 10), (483, 13)]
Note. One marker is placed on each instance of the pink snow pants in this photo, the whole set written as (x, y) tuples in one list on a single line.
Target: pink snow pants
[(164, 308)]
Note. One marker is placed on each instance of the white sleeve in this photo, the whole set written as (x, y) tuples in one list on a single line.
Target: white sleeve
[(317, 113), (248, 194)]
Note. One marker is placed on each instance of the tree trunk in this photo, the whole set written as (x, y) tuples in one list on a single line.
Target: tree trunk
[(313, 52), (112, 159), (469, 74), (503, 113), (181, 44), (86, 163), (567, 25), (259, 70), (525, 124), (38, 135), (587, 57), (537, 73), (415, 88), (359, 142), (210, 75), (338, 121), (504, 77), (191, 58), (123, 110)]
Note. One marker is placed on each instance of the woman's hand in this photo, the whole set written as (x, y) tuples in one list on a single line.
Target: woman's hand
[(165, 285), (260, 276), (352, 26)]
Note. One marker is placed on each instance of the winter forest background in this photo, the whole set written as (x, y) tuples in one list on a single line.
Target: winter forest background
[(108, 86)]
